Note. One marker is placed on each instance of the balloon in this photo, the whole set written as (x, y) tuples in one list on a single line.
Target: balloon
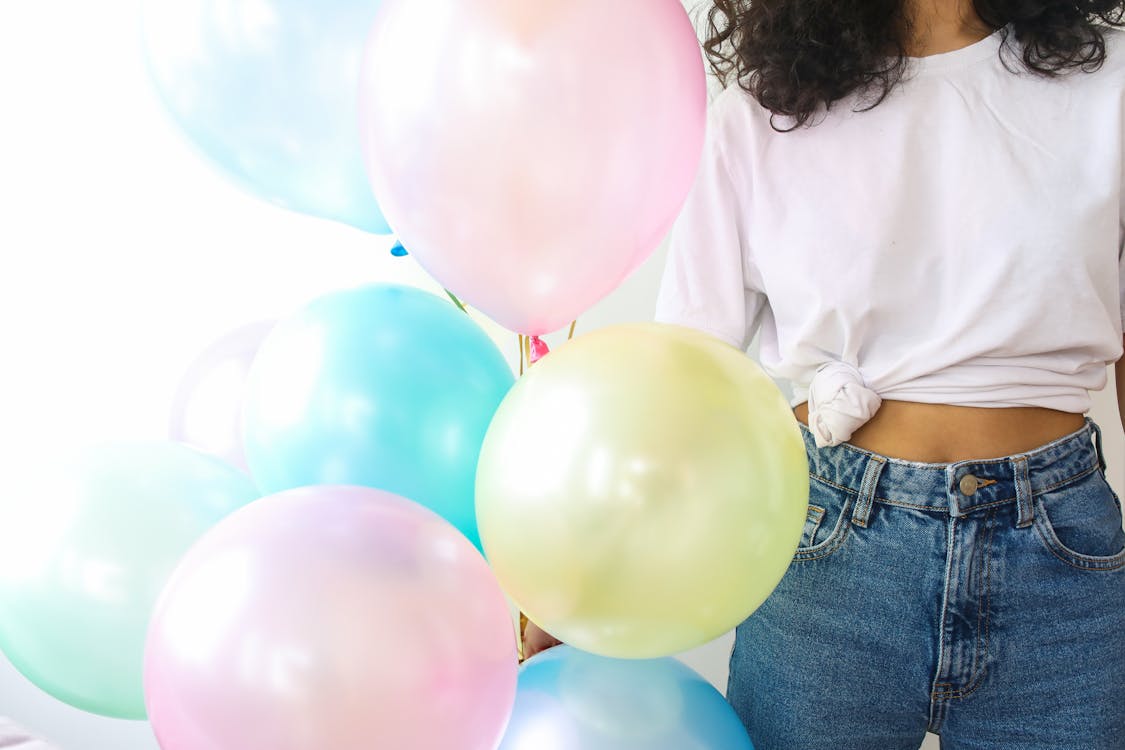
[(531, 155), (267, 90), (86, 545), (571, 699), (207, 408), (382, 386), (331, 617), (641, 490)]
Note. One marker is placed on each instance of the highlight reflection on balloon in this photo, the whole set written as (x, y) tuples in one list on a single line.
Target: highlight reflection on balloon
[(571, 700), (86, 545), (641, 490), (331, 617), (382, 386), (267, 90), (532, 154)]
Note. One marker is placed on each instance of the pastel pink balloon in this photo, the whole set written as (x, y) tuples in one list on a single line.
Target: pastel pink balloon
[(532, 153), (331, 618)]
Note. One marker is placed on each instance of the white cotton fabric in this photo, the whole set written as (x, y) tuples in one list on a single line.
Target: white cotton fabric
[(960, 243)]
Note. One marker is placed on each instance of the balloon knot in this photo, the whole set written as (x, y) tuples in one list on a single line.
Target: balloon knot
[(398, 250), (538, 349)]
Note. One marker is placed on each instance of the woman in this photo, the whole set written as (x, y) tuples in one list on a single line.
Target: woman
[(919, 206)]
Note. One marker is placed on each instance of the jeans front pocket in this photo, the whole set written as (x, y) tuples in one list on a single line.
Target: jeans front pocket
[(826, 526), (1080, 523)]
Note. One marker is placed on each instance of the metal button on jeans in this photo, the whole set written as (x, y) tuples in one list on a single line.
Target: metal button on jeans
[(969, 484)]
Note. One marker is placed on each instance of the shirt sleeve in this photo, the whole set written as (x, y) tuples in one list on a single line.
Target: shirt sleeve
[(1121, 278), (704, 281), (1121, 256)]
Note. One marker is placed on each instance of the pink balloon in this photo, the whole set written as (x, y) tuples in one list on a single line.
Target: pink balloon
[(333, 618), (531, 154)]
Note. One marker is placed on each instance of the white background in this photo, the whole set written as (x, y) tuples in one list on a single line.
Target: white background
[(124, 254)]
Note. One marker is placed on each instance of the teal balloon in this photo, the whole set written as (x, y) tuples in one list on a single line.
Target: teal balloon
[(268, 91), (382, 386), (571, 700), (87, 542)]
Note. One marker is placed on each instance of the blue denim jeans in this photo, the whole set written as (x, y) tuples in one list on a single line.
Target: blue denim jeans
[(982, 600)]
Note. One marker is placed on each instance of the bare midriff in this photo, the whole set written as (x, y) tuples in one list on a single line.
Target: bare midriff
[(940, 433)]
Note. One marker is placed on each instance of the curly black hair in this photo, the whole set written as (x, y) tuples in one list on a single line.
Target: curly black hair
[(796, 56)]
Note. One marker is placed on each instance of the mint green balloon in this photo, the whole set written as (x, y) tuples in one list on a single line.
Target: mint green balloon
[(86, 546)]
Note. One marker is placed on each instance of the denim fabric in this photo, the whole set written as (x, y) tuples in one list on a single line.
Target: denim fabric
[(982, 600)]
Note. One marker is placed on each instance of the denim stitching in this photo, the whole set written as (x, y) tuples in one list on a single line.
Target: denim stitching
[(830, 483), (814, 515), (990, 504), (804, 556), (1098, 445), (1076, 559), (991, 522), (1068, 480), (904, 504), (935, 693), (959, 693), (1025, 494), (871, 473), (976, 676), (1087, 568), (829, 545), (975, 673)]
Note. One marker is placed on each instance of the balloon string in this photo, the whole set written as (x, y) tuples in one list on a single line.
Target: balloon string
[(399, 252), (531, 355), (456, 301), (524, 352), (532, 349)]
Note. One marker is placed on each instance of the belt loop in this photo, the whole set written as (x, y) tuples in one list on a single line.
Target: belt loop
[(867, 490), (1098, 442), (1023, 492)]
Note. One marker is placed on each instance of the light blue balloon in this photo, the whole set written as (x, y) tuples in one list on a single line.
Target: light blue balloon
[(381, 386), (268, 90), (571, 700)]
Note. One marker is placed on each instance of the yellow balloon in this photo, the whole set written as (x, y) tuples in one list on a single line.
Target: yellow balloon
[(642, 490)]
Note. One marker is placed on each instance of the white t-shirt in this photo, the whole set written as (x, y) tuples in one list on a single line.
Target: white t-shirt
[(960, 243)]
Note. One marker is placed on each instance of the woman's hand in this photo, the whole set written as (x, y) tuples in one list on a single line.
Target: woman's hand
[(535, 640)]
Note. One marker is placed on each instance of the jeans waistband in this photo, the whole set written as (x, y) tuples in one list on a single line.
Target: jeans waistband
[(960, 487)]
